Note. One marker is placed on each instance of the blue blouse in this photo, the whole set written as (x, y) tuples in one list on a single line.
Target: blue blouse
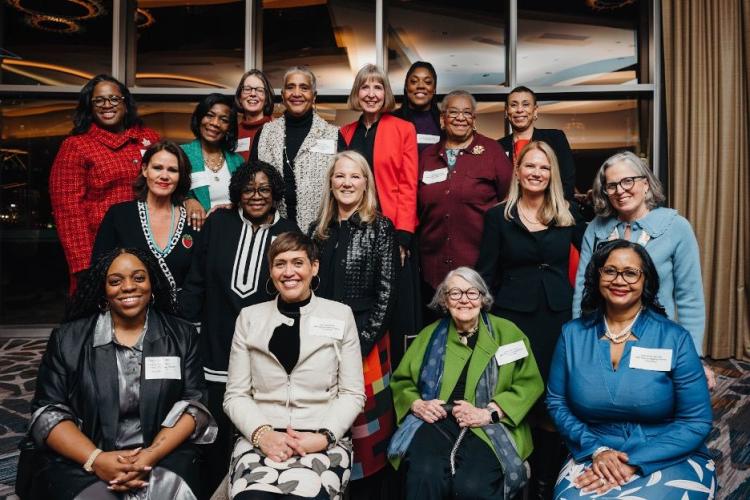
[(658, 418)]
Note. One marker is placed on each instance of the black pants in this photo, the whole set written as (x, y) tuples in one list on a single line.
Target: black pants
[(545, 461), (265, 495), (426, 470), (218, 453)]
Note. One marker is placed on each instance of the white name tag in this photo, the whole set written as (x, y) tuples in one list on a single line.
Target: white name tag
[(427, 139), (511, 352), (659, 360), (435, 176), (163, 367), (200, 179), (324, 146), (326, 327), (243, 145)]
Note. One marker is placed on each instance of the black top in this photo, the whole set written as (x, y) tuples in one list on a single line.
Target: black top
[(460, 388), (284, 343), (363, 141), (333, 251)]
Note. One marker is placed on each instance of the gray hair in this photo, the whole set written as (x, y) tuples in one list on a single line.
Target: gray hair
[(458, 93), (472, 277), (654, 195), (305, 71)]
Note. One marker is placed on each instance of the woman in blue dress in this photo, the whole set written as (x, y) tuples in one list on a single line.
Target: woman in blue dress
[(627, 390)]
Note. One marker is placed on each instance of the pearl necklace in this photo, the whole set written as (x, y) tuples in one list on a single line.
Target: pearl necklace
[(619, 338)]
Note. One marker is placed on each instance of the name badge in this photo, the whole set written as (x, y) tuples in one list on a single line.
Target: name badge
[(243, 145), (326, 327), (324, 146), (427, 139), (435, 176), (158, 367), (658, 360), (200, 179), (511, 352)]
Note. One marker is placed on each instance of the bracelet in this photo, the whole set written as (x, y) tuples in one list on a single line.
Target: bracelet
[(598, 451), (87, 466), (258, 434)]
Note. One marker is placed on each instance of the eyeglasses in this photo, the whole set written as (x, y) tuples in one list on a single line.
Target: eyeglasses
[(247, 89), (113, 100), (456, 294), (626, 183), (264, 191), (454, 113), (631, 275)]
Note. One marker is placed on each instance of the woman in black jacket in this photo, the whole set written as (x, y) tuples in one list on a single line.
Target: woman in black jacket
[(120, 391), (525, 256), (358, 264)]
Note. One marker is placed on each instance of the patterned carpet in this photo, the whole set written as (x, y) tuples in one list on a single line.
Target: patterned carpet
[(729, 440)]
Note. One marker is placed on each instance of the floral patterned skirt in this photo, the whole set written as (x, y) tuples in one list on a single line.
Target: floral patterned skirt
[(324, 474)]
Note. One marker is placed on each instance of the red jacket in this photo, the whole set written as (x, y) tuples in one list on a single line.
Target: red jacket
[(395, 161), (91, 172)]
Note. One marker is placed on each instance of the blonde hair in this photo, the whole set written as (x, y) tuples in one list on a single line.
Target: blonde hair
[(368, 207), (371, 72), (555, 208)]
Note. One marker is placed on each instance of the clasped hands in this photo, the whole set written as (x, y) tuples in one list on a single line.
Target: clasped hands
[(125, 470), (608, 469), (465, 413), (281, 446)]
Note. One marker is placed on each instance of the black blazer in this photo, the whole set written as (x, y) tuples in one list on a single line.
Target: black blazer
[(516, 263), (559, 144)]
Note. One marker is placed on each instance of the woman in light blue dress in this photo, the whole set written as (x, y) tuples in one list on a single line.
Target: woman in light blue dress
[(627, 390)]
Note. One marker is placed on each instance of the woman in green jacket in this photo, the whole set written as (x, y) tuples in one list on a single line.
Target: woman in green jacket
[(461, 394)]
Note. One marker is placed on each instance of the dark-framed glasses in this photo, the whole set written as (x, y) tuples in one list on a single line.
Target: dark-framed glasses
[(626, 183), (457, 293), (631, 275), (248, 89), (113, 100), (264, 191), (453, 113)]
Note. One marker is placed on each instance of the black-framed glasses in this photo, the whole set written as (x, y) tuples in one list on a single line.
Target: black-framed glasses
[(457, 293), (626, 183), (264, 191), (247, 89), (113, 100), (455, 113), (631, 275)]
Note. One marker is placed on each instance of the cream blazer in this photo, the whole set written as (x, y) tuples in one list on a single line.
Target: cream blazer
[(325, 389)]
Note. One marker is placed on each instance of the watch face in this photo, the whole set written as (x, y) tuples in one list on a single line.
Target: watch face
[(495, 417)]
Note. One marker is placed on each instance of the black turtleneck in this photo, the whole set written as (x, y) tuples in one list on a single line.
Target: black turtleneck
[(284, 343), (297, 128)]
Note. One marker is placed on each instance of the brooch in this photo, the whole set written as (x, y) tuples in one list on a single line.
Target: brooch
[(187, 241), (146, 143), (477, 150)]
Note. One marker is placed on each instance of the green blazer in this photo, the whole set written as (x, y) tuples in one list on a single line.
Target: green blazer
[(195, 155), (518, 387)]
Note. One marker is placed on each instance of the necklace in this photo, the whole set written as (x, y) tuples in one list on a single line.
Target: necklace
[(622, 336), (214, 163), (464, 336), (521, 211), (461, 145)]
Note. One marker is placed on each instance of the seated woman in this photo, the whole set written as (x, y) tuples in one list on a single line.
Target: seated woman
[(156, 221), (120, 392), (627, 390), (294, 385), (483, 367)]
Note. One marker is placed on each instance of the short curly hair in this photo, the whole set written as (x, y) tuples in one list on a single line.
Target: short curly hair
[(246, 173)]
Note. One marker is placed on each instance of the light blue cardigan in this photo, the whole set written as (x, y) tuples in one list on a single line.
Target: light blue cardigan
[(674, 250)]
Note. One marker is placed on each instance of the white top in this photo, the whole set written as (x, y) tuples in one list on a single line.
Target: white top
[(218, 185)]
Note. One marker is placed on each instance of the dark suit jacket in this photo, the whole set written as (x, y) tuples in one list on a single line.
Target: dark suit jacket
[(559, 144), (516, 263)]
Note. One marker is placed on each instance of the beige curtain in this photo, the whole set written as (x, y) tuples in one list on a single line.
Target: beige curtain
[(707, 73)]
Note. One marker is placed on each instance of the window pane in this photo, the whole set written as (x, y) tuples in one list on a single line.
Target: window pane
[(335, 39), (571, 43), (190, 45), (464, 41), (55, 43)]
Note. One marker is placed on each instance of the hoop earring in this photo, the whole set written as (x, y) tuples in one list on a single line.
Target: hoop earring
[(104, 306), (314, 288), (269, 292)]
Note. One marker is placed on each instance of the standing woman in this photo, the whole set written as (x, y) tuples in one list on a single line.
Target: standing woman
[(627, 196), (156, 221), (212, 157), (389, 145), (524, 253), (522, 110), (358, 266), (254, 103), (95, 166), (461, 177), (420, 104), (301, 145)]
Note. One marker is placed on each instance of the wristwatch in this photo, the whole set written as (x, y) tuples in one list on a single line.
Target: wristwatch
[(330, 437), (495, 415)]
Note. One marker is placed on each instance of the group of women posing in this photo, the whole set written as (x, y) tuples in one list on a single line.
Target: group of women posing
[(304, 251)]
